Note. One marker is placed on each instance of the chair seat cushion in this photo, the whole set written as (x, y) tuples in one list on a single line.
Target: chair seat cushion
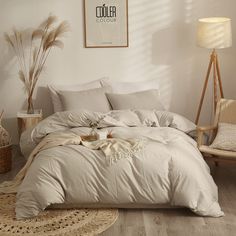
[(225, 138), (217, 152)]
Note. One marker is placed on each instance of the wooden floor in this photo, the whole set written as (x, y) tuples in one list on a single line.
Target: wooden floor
[(176, 222)]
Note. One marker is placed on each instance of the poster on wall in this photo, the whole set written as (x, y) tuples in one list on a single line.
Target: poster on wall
[(106, 23)]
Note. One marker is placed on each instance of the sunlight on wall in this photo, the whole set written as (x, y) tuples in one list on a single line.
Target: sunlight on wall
[(190, 6), (145, 18)]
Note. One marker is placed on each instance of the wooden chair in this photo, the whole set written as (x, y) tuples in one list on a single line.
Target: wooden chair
[(225, 113)]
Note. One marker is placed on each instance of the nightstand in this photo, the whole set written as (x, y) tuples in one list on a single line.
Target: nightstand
[(26, 121)]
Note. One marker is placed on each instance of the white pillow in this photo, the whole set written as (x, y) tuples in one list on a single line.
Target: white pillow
[(225, 138), (55, 90), (147, 100), (123, 87), (93, 100)]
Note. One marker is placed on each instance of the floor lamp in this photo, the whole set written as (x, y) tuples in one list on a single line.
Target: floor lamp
[(213, 33)]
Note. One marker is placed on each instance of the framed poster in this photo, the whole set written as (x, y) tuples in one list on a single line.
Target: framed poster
[(106, 23)]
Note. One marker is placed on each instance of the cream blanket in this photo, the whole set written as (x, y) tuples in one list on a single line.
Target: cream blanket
[(114, 149)]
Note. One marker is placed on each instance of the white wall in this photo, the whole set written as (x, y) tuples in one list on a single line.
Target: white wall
[(162, 45)]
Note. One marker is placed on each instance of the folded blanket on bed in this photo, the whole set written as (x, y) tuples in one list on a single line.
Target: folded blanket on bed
[(113, 149)]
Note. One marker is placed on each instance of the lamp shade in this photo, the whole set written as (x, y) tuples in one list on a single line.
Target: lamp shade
[(214, 32)]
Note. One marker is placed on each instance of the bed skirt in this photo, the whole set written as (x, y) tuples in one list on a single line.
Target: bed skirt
[(121, 206)]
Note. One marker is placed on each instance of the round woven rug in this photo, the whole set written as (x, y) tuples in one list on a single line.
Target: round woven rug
[(54, 222)]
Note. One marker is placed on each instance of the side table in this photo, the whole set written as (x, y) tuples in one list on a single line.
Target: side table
[(26, 121)]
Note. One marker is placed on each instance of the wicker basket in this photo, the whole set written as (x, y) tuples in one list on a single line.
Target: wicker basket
[(5, 159)]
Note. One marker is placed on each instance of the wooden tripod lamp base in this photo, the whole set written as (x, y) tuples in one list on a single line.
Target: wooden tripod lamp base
[(213, 33), (217, 83)]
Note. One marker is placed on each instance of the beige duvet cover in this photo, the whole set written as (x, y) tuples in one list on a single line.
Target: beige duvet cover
[(169, 169)]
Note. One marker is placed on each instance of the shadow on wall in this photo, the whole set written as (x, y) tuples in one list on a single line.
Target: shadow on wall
[(6, 61), (145, 18), (42, 101), (169, 47), (163, 47), (6, 64), (8, 57), (171, 50)]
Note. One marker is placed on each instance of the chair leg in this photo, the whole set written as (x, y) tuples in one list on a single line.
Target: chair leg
[(216, 163)]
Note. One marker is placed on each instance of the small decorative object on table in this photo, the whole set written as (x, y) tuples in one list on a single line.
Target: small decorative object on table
[(101, 134), (95, 133), (98, 136), (5, 149), (26, 121), (94, 126), (88, 138)]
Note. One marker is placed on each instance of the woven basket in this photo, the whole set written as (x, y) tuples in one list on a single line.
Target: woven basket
[(5, 159)]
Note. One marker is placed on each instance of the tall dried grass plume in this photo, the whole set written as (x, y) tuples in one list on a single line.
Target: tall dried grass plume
[(42, 39)]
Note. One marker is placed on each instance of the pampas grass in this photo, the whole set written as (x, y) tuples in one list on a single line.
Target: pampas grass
[(42, 40)]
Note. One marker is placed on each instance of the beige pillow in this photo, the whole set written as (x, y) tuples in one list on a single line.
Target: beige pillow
[(55, 90), (225, 138), (133, 87), (93, 100), (147, 100)]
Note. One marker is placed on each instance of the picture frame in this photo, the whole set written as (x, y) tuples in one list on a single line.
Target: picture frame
[(106, 23)]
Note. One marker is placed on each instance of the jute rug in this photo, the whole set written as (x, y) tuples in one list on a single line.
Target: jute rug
[(72, 222)]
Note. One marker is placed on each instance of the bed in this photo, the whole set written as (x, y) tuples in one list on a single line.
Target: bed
[(148, 161), (168, 169)]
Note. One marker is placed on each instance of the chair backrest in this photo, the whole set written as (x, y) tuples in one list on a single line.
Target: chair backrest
[(225, 112)]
